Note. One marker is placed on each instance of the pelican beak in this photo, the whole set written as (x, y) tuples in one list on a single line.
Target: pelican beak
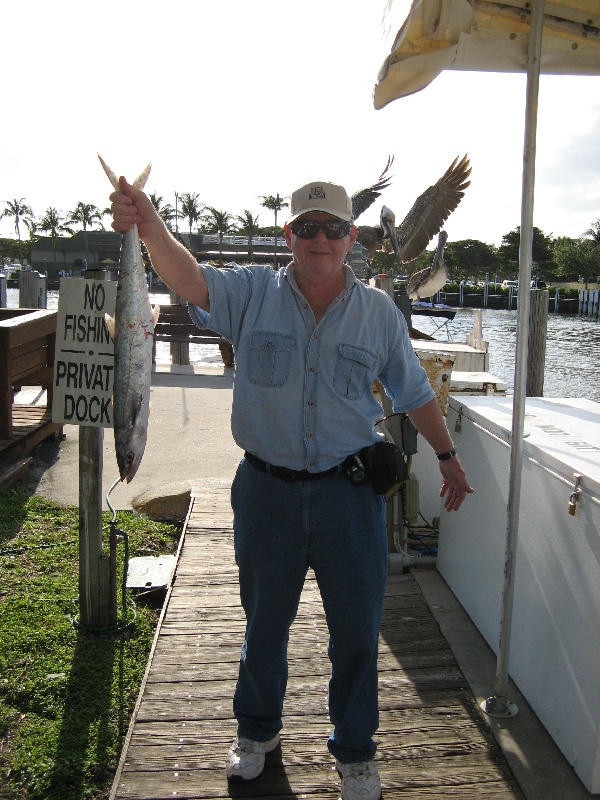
[(388, 223), (442, 239)]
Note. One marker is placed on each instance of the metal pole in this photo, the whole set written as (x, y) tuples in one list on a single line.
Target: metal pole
[(499, 705)]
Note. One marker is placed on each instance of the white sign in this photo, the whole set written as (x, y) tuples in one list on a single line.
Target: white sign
[(84, 361)]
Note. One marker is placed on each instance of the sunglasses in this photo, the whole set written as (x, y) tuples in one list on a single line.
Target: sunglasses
[(308, 229)]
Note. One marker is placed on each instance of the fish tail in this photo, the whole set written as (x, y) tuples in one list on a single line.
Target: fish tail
[(138, 183), (111, 175)]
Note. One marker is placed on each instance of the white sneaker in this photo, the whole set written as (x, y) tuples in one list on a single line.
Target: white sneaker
[(360, 781), (246, 758)]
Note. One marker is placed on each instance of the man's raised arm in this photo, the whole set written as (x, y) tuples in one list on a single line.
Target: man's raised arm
[(170, 259)]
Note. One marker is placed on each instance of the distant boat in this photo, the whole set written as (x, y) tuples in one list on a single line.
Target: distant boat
[(433, 310)]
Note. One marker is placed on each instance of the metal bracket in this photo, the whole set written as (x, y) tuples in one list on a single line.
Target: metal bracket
[(500, 707)]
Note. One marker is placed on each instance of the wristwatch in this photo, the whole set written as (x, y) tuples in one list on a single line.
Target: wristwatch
[(446, 456)]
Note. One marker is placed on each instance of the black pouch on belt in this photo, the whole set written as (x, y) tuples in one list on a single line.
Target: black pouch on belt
[(386, 467)]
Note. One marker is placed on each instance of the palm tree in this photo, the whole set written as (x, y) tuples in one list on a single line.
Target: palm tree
[(165, 210), (53, 222), (33, 226), (86, 214), (192, 209), (249, 227), (274, 203), (222, 222), (21, 213), (593, 232)]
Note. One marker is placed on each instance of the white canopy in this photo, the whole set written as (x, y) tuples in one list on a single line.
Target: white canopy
[(486, 36)]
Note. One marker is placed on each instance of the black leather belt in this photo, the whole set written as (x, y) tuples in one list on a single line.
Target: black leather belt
[(290, 475)]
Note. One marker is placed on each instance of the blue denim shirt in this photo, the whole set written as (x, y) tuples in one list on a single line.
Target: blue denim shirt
[(302, 393)]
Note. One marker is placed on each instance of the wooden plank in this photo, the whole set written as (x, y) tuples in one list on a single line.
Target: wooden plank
[(31, 425), (470, 777), (432, 742), (14, 472)]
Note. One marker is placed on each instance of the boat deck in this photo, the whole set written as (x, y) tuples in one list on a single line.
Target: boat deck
[(432, 739)]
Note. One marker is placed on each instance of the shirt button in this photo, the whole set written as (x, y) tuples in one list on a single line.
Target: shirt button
[(309, 435), (310, 403), (312, 369)]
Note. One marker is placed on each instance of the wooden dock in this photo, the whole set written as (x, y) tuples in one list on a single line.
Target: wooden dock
[(27, 345), (432, 740), (31, 425)]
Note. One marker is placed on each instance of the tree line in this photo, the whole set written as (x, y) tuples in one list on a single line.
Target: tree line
[(554, 259), (188, 208)]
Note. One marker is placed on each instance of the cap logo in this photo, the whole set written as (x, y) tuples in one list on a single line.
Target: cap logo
[(316, 193)]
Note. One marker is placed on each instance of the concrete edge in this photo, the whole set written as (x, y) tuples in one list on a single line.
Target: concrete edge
[(539, 767)]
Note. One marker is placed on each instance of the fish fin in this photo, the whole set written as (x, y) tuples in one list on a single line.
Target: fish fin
[(111, 175), (155, 313), (110, 324), (141, 179)]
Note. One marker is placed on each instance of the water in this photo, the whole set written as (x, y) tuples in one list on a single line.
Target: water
[(572, 348), (572, 367)]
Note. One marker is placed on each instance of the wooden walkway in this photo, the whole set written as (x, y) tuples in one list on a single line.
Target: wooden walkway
[(432, 740), (31, 425)]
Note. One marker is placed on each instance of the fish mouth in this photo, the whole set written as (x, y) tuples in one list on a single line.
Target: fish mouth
[(130, 467)]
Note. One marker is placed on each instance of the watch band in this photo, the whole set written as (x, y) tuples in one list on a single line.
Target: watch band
[(446, 456)]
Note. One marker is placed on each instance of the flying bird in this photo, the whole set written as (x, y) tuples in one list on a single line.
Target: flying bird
[(425, 219), (364, 198)]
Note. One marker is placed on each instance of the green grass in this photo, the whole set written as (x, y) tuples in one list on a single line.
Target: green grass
[(66, 696)]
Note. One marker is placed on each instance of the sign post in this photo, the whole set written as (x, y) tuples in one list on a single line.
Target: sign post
[(83, 389)]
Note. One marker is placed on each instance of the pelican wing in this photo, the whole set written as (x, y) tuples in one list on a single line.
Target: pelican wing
[(432, 209), (371, 237), (364, 198)]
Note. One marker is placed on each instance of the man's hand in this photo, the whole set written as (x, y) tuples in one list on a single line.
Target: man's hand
[(176, 266), (455, 486), (130, 206)]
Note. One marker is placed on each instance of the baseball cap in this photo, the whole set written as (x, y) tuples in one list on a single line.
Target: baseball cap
[(321, 196)]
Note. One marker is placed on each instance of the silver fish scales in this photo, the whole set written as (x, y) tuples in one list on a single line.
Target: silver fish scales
[(132, 330)]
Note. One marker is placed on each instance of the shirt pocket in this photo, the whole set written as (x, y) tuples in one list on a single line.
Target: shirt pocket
[(354, 371), (269, 358)]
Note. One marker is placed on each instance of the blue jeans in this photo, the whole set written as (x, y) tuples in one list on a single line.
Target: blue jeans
[(280, 530)]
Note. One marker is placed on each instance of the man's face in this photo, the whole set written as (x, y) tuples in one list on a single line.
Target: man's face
[(319, 255)]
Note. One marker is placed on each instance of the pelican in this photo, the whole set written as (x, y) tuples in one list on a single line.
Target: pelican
[(428, 282), (425, 219), (375, 237), (364, 198)]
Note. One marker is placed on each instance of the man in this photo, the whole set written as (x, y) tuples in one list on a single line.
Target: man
[(309, 342)]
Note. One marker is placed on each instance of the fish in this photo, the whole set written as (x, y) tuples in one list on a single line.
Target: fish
[(132, 331)]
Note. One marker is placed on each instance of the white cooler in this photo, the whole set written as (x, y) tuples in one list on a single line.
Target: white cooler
[(555, 644)]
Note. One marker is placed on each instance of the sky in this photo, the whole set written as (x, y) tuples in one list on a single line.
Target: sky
[(236, 100)]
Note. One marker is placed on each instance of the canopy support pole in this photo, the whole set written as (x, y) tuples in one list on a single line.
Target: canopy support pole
[(499, 705)]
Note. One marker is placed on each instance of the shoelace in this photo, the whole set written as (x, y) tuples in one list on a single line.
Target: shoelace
[(244, 747), (359, 770)]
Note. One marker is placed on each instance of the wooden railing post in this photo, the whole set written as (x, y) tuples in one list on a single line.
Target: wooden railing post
[(536, 347), (180, 351)]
